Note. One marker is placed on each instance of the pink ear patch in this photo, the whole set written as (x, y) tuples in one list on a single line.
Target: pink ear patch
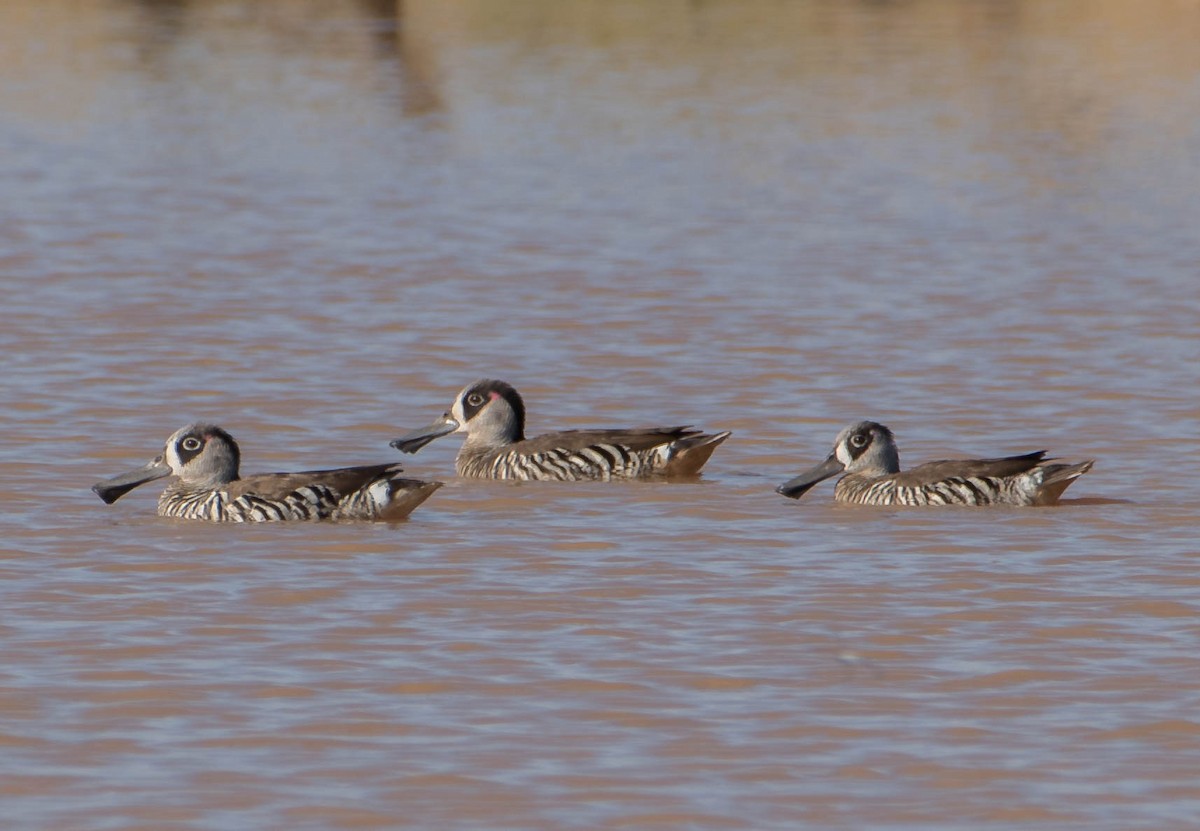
[(493, 395)]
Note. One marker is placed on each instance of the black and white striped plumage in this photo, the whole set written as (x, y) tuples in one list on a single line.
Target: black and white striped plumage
[(492, 414), (205, 459), (867, 454)]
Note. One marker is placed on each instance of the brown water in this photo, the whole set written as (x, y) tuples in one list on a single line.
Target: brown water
[(315, 222)]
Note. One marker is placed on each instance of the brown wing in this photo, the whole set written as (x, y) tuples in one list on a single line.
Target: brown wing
[(343, 480), (637, 438), (962, 468)]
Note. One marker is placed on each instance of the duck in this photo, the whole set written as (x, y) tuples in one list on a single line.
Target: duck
[(205, 460), (492, 415), (866, 453)]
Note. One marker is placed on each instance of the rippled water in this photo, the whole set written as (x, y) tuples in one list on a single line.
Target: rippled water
[(315, 222)]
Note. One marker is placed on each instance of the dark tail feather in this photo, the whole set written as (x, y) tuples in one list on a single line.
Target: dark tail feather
[(692, 452), (1057, 478)]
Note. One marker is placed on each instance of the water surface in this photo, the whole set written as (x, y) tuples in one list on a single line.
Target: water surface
[(314, 223)]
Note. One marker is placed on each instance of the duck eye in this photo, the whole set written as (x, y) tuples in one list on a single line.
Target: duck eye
[(859, 440), (190, 443), (474, 399)]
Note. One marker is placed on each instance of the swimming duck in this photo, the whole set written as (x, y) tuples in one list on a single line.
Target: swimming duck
[(205, 459), (492, 414), (866, 452)]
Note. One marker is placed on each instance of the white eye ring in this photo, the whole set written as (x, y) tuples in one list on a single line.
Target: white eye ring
[(190, 443), (474, 399), (858, 440)]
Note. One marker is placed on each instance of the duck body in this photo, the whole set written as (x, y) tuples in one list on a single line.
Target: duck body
[(581, 455), (372, 492), (205, 460), (492, 414), (866, 453)]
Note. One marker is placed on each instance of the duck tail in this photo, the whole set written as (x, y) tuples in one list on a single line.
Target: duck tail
[(1057, 478), (690, 453)]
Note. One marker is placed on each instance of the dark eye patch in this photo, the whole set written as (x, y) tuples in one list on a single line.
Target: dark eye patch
[(189, 448), (475, 401), (859, 442)]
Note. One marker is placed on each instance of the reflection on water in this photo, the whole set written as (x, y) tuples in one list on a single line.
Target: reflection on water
[(315, 222)]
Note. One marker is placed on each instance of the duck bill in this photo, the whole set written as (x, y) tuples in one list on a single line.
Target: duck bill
[(110, 490), (415, 440), (796, 488)]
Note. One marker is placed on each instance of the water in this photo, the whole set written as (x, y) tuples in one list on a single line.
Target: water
[(314, 223)]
